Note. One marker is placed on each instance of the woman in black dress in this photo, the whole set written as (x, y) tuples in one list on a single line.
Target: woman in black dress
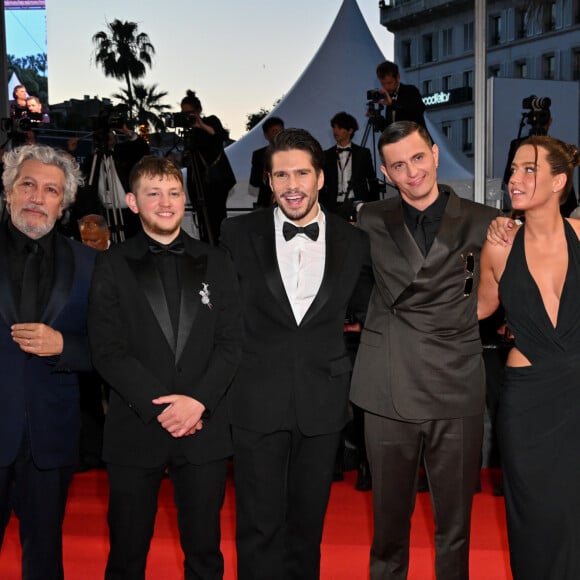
[(537, 279)]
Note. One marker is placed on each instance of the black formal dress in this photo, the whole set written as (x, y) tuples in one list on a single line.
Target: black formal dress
[(539, 423)]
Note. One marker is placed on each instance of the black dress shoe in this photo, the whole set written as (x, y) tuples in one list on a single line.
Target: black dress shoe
[(363, 479)]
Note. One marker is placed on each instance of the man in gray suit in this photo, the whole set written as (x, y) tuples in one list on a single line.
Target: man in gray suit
[(419, 373)]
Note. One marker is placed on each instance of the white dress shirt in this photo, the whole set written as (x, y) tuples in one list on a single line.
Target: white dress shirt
[(301, 263)]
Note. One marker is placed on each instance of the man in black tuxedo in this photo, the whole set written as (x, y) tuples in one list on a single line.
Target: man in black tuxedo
[(44, 286), (419, 373), (298, 267), (258, 176), (402, 102), (165, 332), (349, 175)]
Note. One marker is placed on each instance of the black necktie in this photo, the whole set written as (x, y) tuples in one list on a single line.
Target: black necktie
[(343, 149), (420, 235), (289, 230), (175, 247), (30, 281)]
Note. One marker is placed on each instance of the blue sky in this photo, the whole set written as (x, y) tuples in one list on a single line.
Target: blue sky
[(238, 56)]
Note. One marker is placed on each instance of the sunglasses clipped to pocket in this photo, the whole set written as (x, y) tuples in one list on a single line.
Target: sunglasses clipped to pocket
[(468, 271)]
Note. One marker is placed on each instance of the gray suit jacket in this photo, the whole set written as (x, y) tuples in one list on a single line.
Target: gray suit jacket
[(420, 352)]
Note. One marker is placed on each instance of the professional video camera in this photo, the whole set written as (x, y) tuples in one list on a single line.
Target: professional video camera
[(13, 126), (180, 120), (538, 115), (110, 118), (375, 96)]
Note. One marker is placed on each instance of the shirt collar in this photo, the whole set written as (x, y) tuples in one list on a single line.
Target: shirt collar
[(280, 218), (20, 240)]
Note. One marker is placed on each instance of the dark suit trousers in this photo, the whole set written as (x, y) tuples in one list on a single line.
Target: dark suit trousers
[(38, 498), (451, 449), (198, 491), (282, 483)]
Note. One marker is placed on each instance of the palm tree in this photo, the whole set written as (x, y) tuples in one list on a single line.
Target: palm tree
[(146, 105), (123, 53)]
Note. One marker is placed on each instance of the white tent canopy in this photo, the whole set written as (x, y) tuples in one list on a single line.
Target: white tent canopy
[(337, 79)]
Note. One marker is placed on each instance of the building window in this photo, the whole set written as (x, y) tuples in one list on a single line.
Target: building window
[(406, 53), (428, 55), (468, 36), (446, 83), (446, 129), (576, 11), (494, 71), (467, 133), (549, 67), (468, 78), (576, 64), (549, 16), (521, 69), (521, 22), (447, 42), (494, 30), (427, 88)]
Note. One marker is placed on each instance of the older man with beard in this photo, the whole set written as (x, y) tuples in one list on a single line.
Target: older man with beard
[(44, 284)]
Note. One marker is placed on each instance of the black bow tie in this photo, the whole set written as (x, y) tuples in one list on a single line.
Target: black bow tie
[(343, 149), (175, 247), (289, 230)]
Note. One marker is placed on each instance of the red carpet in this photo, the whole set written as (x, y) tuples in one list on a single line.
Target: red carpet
[(345, 547)]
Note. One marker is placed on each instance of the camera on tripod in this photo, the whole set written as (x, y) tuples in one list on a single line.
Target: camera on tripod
[(180, 120), (375, 96), (14, 126), (538, 115)]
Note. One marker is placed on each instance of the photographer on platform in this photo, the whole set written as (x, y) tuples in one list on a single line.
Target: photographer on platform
[(18, 103), (402, 102), (35, 111), (204, 144)]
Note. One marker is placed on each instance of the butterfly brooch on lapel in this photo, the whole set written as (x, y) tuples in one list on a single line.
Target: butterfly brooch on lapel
[(205, 293)]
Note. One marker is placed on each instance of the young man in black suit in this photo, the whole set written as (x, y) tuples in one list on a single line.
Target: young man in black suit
[(419, 373), (298, 267), (349, 175), (165, 332)]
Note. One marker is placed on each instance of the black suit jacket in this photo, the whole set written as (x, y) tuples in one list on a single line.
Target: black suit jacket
[(419, 357), (41, 393), (409, 106), (363, 182), (133, 349), (284, 363), (257, 178)]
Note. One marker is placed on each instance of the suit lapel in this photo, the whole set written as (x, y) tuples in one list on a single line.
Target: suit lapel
[(336, 250), (62, 283), (7, 304), (264, 243), (192, 273), (409, 259), (440, 249), (447, 234), (150, 283)]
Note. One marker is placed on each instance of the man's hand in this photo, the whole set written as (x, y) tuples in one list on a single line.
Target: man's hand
[(182, 416), (37, 338), (501, 231), (387, 100)]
